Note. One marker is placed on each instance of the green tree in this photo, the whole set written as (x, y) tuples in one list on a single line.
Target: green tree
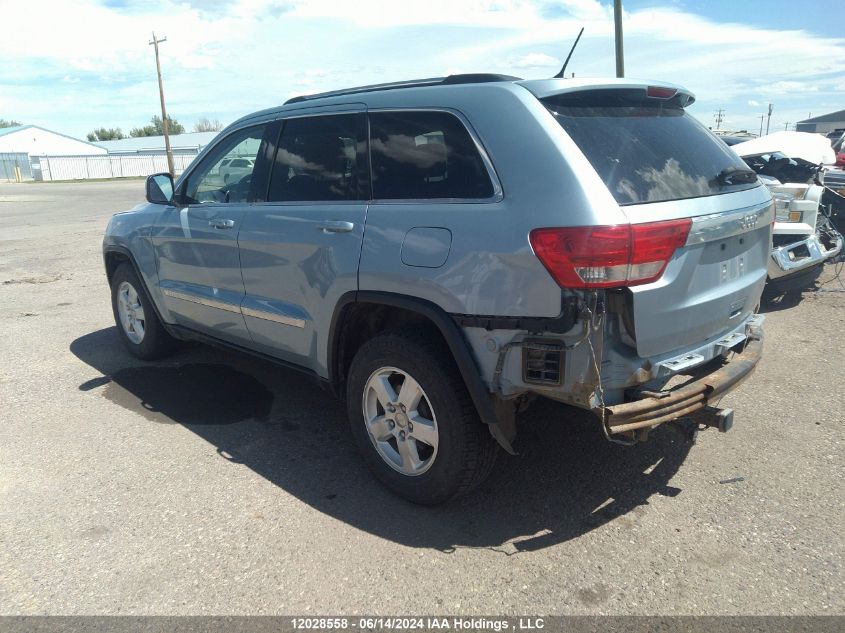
[(104, 134), (205, 125), (157, 127), (12, 123)]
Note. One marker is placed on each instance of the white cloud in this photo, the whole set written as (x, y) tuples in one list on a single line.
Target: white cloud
[(235, 56), (535, 60)]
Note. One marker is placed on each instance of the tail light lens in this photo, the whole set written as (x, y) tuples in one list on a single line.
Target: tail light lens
[(659, 92), (609, 256)]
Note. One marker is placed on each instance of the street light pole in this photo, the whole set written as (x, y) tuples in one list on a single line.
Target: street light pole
[(165, 123), (769, 118), (620, 54)]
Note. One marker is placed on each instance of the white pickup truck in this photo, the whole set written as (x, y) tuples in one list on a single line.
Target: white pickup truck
[(791, 164)]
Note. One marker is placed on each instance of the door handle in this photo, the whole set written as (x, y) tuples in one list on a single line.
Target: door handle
[(335, 226), (220, 223)]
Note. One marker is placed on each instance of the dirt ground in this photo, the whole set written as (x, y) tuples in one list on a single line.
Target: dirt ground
[(214, 483)]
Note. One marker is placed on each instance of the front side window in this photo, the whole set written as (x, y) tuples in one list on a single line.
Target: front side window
[(321, 158), (226, 173), (425, 155)]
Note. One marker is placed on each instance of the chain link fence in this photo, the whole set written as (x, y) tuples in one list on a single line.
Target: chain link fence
[(14, 167), (104, 166)]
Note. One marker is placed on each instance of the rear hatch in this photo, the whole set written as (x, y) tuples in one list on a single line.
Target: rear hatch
[(666, 169)]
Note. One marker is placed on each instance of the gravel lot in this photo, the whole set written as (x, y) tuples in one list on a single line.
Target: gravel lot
[(214, 483)]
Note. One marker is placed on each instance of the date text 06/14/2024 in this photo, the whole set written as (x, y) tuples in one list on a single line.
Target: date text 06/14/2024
[(418, 623)]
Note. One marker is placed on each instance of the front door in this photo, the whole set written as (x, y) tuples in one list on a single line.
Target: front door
[(299, 250), (196, 242)]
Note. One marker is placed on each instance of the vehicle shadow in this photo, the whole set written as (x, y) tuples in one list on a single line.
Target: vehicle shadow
[(566, 481), (774, 302)]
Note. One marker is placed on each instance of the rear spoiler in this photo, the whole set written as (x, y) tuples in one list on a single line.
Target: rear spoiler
[(545, 88)]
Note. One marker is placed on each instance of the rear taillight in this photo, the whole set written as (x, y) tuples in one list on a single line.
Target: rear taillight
[(609, 256)]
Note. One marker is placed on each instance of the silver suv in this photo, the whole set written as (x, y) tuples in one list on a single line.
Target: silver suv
[(439, 252)]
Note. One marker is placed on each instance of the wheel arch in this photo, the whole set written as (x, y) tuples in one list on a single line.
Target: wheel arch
[(114, 256), (356, 308)]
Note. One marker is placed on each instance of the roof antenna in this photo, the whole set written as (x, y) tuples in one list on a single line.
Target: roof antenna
[(571, 50)]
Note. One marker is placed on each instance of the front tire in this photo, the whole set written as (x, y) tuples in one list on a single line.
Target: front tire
[(413, 420), (137, 322)]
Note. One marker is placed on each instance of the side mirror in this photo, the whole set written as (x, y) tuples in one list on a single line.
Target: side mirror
[(160, 188)]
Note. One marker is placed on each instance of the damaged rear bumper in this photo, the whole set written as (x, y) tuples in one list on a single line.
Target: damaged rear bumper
[(688, 399)]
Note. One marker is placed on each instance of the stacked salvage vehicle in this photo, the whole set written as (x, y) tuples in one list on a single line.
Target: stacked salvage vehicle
[(792, 165)]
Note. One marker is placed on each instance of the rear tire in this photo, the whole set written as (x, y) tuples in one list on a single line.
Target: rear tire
[(449, 451), (137, 322)]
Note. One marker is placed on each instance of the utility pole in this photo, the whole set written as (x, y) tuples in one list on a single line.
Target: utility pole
[(769, 118), (164, 120), (720, 116), (762, 116), (786, 126), (617, 21)]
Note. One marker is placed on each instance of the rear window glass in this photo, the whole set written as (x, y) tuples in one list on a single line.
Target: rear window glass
[(647, 150), (425, 155)]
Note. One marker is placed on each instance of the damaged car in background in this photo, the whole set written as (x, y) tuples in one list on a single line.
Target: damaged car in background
[(833, 198), (791, 164)]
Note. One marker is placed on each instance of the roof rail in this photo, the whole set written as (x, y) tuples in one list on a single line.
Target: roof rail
[(474, 78)]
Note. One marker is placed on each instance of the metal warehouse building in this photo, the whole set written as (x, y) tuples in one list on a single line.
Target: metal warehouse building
[(824, 124), (37, 141), (188, 143)]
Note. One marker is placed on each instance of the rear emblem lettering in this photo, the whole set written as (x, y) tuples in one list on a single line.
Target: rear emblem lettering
[(749, 221)]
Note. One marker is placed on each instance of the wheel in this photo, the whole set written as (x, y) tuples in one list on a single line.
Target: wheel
[(414, 421), (140, 330)]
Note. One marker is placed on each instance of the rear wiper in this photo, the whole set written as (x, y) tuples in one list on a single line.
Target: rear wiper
[(736, 176)]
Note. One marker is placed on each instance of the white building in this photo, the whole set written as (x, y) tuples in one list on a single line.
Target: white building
[(36, 141), (825, 124)]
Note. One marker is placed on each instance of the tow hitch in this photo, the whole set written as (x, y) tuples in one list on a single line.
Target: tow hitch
[(722, 419), (689, 426)]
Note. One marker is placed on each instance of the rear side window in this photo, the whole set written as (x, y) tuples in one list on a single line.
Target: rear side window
[(647, 150), (425, 155), (321, 158)]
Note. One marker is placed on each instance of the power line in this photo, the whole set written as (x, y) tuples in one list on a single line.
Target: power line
[(165, 123)]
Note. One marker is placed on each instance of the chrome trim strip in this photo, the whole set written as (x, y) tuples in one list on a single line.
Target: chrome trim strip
[(228, 307), (276, 318), (211, 303), (717, 226)]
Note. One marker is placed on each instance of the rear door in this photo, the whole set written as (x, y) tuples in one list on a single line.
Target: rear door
[(712, 284), (196, 243), (299, 249), (661, 164)]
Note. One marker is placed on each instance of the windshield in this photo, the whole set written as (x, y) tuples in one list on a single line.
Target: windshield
[(647, 150)]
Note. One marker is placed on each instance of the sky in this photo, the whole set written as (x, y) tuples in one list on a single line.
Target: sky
[(76, 65)]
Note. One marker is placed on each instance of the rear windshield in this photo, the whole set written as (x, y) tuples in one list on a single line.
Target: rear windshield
[(647, 150)]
